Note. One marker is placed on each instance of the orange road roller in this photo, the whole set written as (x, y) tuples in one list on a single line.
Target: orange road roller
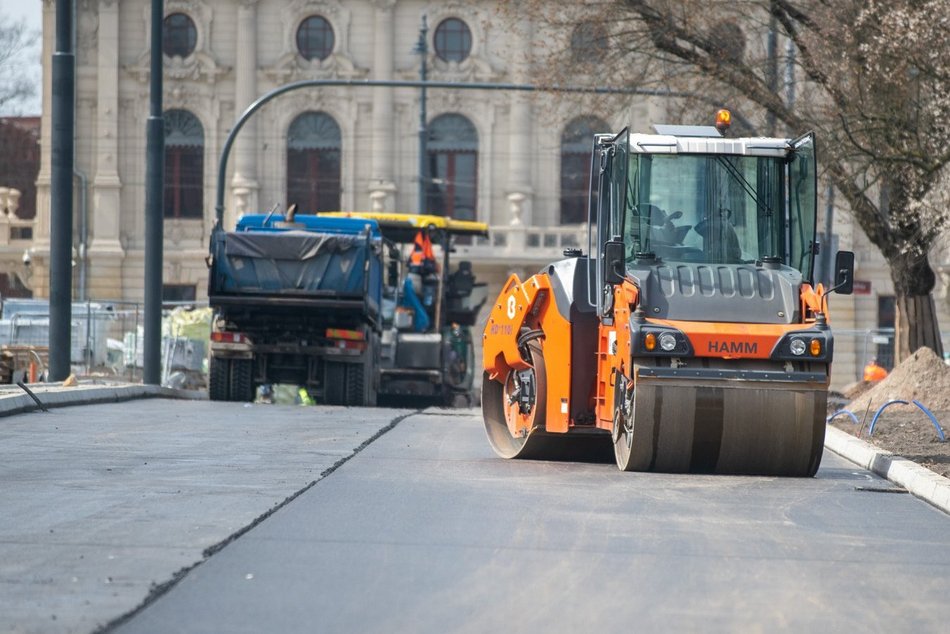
[(692, 335)]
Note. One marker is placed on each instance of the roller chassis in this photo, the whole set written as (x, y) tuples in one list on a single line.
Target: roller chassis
[(728, 393)]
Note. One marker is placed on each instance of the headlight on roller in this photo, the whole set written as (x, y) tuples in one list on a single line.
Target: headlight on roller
[(804, 345), (797, 346), (667, 342), (650, 339)]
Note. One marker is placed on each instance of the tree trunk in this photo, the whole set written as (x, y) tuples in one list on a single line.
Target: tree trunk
[(915, 324)]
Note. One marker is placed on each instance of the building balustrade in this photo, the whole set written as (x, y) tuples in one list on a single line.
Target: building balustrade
[(519, 243), (14, 231)]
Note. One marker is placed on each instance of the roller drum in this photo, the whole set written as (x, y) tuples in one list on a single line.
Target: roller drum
[(737, 427)]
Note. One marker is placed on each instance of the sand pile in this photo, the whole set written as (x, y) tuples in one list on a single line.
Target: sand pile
[(922, 376)]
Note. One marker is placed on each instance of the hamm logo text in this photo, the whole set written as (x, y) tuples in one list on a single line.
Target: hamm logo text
[(733, 347)]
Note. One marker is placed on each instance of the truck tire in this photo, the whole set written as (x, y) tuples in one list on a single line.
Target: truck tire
[(334, 383), (242, 380), (219, 388), (361, 384)]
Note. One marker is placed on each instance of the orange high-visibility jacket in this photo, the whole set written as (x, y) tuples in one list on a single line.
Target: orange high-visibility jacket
[(421, 250)]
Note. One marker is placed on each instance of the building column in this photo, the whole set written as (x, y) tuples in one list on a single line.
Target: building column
[(520, 193), (104, 254), (382, 187), (244, 185), (40, 250)]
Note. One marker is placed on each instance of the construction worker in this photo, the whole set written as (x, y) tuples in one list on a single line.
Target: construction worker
[(874, 372), (422, 276), (422, 259)]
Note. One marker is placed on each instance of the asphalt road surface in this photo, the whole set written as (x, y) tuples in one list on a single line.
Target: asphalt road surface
[(425, 530), (220, 517)]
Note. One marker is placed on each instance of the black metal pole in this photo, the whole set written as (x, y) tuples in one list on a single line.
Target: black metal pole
[(154, 208), (61, 196), (422, 48)]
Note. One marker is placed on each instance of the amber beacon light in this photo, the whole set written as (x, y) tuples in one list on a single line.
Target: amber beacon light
[(723, 120)]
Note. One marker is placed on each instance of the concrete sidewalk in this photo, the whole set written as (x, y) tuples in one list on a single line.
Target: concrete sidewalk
[(98, 502), (16, 400), (918, 480)]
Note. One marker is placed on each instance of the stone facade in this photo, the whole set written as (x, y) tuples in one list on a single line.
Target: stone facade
[(247, 47), (243, 48)]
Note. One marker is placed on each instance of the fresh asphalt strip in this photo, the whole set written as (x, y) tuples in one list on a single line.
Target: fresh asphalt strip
[(160, 589)]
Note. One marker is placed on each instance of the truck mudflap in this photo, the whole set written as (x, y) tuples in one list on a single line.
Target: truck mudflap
[(721, 421)]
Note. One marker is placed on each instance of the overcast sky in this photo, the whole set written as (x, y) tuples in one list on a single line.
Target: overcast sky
[(32, 12)]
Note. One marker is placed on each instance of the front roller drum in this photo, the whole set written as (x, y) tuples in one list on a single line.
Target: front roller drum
[(761, 428)]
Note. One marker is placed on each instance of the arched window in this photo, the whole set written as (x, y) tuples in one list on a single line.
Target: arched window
[(179, 35), (315, 38), (453, 40), (313, 162), (453, 167), (576, 143), (184, 165)]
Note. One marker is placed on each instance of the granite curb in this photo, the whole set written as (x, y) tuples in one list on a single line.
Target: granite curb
[(918, 480), (17, 402)]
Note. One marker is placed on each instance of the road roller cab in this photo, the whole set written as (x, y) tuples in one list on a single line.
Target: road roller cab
[(692, 335)]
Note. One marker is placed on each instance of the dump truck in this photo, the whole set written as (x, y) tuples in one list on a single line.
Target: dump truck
[(430, 303), (692, 336), (297, 299)]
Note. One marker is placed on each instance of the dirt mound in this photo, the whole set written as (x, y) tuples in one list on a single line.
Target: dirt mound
[(922, 376), (856, 389)]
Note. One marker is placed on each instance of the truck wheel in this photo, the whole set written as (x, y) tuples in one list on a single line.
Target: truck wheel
[(219, 388), (361, 384), (242, 380), (334, 383)]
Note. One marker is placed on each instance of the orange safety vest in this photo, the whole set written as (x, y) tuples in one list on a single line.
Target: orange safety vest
[(421, 250)]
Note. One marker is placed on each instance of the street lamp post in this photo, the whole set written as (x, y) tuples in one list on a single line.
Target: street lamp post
[(61, 197), (422, 49), (154, 208)]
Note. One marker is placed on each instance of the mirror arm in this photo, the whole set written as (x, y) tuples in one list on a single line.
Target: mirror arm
[(843, 282)]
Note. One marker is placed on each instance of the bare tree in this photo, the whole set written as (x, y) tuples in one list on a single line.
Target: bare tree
[(16, 45), (872, 78)]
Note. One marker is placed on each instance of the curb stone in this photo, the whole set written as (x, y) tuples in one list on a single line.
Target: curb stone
[(919, 481), (18, 401)]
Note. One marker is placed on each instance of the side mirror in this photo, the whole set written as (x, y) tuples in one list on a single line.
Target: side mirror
[(844, 273), (613, 262)]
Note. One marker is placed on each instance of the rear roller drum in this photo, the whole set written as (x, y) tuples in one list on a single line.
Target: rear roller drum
[(514, 411)]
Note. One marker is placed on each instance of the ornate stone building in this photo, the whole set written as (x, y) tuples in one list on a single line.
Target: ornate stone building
[(509, 159), (515, 160)]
